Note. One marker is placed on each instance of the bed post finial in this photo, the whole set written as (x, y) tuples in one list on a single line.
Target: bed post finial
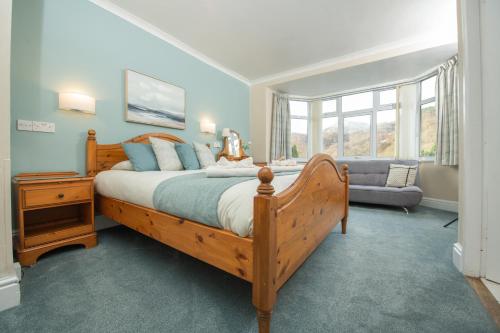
[(266, 177), (345, 170), (91, 153)]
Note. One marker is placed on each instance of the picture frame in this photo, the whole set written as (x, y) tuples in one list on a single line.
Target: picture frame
[(152, 101)]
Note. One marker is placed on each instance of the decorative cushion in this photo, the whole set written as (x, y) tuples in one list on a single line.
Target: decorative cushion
[(123, 165), (205, 156), (141, 156), (187, 156), (401, 175), (167, 157)]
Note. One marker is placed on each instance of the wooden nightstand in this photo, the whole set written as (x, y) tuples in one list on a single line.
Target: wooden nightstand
[(54, 209)]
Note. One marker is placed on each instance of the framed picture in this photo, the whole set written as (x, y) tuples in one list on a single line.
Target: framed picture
[(153, 102)]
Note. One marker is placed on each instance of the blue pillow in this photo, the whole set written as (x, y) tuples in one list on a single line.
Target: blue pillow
[(187, 155), (141, 156)]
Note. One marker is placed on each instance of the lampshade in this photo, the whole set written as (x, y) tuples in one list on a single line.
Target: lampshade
[(76, 102), (207, 127), (226, 132)]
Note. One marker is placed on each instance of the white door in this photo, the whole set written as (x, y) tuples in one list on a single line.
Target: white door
[(490, 53)]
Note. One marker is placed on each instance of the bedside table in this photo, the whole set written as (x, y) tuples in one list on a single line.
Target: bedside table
[(54, 209)]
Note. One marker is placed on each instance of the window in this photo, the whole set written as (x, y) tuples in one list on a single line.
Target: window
[(355, 102), (360, 125), (386, 133), (330, 128), (427, 118), (357, 136), (299, 111), (329, 106), (388, 97)]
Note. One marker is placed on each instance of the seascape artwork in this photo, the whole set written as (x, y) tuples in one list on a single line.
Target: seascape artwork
[(154, 102)]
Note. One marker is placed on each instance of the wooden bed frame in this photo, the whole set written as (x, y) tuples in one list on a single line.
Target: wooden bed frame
[(287, 227)]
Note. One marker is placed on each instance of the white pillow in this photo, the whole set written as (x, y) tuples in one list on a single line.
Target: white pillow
[(205, 156), (123, 165), (401, 175), (167, 157)]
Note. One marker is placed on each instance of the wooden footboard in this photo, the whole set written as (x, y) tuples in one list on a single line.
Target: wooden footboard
[(289, 226)]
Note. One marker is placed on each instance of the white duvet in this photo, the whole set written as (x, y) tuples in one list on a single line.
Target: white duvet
[(235, 209)]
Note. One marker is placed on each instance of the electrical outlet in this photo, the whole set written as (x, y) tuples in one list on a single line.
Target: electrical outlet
[(43, 126), (24, 125), (216, 144)]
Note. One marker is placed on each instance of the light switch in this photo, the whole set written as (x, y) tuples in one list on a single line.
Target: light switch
[(24, 125), (43, 126)]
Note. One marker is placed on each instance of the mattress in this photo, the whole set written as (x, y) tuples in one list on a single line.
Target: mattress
[(234, 210)]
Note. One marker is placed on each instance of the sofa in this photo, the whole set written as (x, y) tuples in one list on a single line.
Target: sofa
[(367, 180)]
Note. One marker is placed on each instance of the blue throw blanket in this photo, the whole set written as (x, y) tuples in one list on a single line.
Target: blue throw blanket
[(194, 197)]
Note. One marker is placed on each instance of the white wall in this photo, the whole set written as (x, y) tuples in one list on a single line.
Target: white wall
[(261, 100), (9, 284)]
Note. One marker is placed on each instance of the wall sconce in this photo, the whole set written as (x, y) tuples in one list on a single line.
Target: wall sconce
[(76, 102), (226, 132), (207, 127)]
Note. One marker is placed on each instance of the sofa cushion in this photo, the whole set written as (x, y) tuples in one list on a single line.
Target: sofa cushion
[(401, 175), (405, 196)]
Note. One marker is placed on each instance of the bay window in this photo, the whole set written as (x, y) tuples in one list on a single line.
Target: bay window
[(364, 124)]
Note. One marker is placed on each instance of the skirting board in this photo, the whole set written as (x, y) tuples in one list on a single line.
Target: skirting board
[(450, 206), (458, 257), (10, 293)]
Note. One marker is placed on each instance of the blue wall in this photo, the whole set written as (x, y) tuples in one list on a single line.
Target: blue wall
[(77, 46)]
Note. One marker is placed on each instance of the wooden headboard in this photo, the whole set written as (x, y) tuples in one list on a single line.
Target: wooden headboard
[(103, 157)]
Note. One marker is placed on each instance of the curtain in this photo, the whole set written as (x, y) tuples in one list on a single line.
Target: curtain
[(447, 113), (280, 128)]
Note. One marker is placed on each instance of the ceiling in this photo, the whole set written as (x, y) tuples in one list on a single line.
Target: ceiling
[(389, 70), (260, 38)]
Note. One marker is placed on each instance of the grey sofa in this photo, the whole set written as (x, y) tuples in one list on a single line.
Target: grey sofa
[(367, 180)]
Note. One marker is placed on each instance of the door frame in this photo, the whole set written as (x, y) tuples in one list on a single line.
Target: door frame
[(470, 251)]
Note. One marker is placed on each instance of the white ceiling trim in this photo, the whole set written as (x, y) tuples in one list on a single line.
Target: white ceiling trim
[(148, 27), (387, 84), (377, 53)]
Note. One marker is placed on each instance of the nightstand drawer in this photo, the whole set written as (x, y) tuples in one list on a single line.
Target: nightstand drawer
[(56, 194)]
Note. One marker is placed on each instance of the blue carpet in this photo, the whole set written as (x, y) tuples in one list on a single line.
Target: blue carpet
[(391, 273)]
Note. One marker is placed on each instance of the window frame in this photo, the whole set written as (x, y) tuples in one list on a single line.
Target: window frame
[(418, 119), (308, 118), (372, 112)]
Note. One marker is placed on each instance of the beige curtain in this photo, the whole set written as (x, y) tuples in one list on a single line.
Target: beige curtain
[(447, 113), (280, 128)]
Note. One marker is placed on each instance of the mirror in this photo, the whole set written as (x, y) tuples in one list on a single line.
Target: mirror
[(233, 144), (233, 147)]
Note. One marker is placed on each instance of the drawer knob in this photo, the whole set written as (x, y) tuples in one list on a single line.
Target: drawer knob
[(60, 195)]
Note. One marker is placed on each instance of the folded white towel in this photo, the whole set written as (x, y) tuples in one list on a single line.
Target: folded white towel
[(222, 172), (284, 162), (245, 163)]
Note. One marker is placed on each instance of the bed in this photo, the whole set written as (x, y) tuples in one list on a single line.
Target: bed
[(287, 227)]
